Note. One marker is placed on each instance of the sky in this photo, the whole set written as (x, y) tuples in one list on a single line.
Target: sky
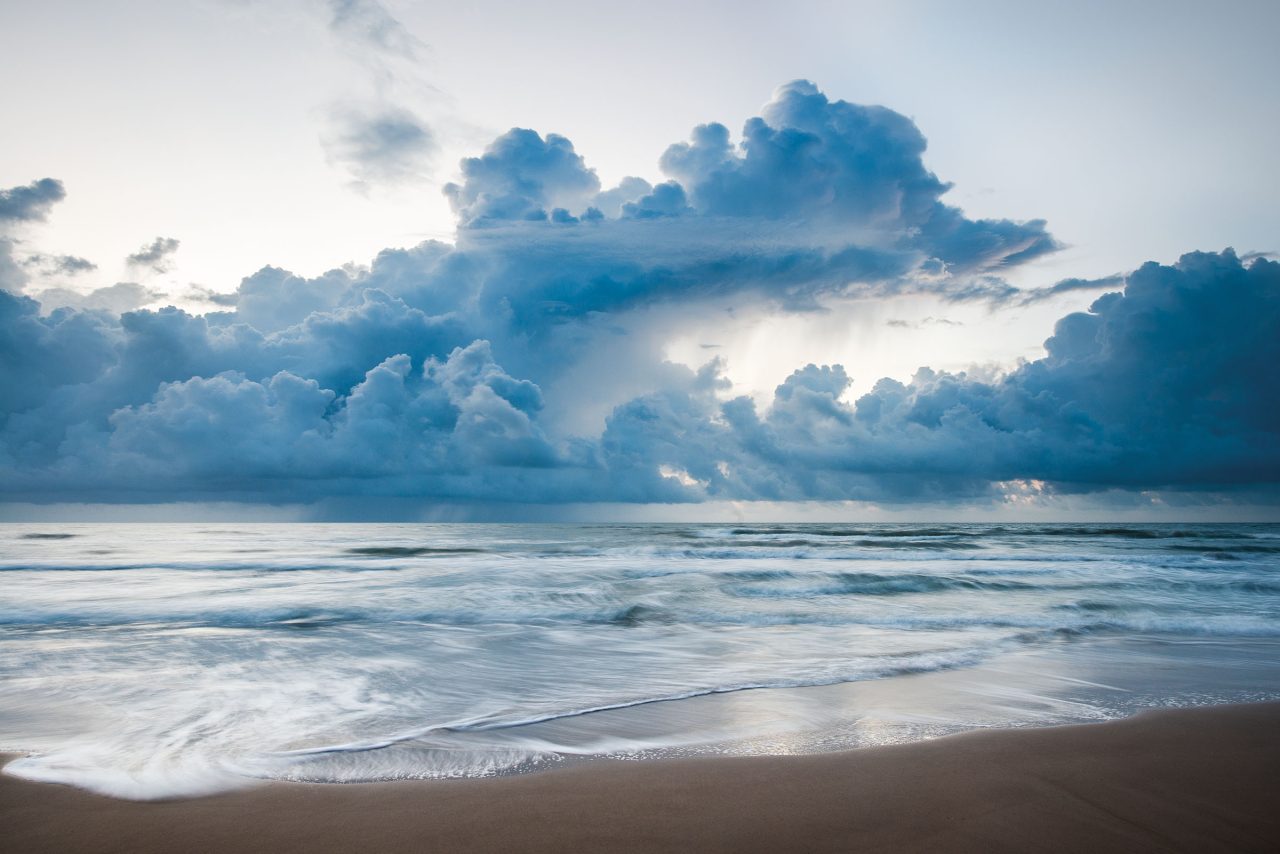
[(348, 258)]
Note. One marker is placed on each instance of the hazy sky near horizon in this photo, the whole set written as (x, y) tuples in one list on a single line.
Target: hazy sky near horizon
[(195, 143)]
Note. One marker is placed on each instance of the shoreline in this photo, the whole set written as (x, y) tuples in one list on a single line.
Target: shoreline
[(1199, 779)]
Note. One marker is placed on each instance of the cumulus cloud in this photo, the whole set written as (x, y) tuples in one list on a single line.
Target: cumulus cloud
[(387, 146), (1138, 392), (32, 202), (1168, 383), (47, 357), (439, 371), (156, 255), (273, 299), (449, 427), (819, 198), (521, 176), (609, 202), (821, 161)]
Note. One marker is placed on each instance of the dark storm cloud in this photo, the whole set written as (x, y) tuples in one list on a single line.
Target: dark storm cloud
[(155, 255), (428, 373)]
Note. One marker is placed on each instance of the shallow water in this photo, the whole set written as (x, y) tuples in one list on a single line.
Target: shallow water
[(156, 660)]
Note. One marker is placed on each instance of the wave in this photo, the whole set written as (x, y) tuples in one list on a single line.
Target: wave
[(1241, 548), (828, 598), (930, 545), (872, 584), (1134, 532), (412, 551), (288, 618), (257, 567), (811, 531), (876, 584), (905, 665), (189, 770), (910, 554)]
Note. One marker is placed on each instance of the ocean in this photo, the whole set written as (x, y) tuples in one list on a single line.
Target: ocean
[(159, 660)]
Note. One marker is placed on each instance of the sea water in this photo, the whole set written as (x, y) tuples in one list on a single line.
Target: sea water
[(159, 660)]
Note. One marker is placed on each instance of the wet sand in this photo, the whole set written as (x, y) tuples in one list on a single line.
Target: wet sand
[(1187, 780)]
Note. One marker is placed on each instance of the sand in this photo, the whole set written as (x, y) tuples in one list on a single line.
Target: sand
[(1186, 780)]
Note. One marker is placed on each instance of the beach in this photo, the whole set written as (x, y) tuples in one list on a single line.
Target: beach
[(1205, 779), (425, 430)]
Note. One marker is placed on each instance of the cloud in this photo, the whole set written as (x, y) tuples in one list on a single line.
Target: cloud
[(32, 202), (1139, 392), (521, 177), (389, 146), (820, 198), (610, 202), (157, 255), (47, 357), (1168, 384), (12, 277), (928, 321), (368, 23), (66, 265), (1073, 284), (200, 293), (442, 429), (117, 298), (19, 206), (823, 161), (665, 200), (446, 371), (273, 299), (380, 141)]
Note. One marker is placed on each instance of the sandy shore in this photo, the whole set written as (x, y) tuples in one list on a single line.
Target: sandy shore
[(1190, 780)]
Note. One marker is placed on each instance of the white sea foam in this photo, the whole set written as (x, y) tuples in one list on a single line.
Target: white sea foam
[(108, 773)]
